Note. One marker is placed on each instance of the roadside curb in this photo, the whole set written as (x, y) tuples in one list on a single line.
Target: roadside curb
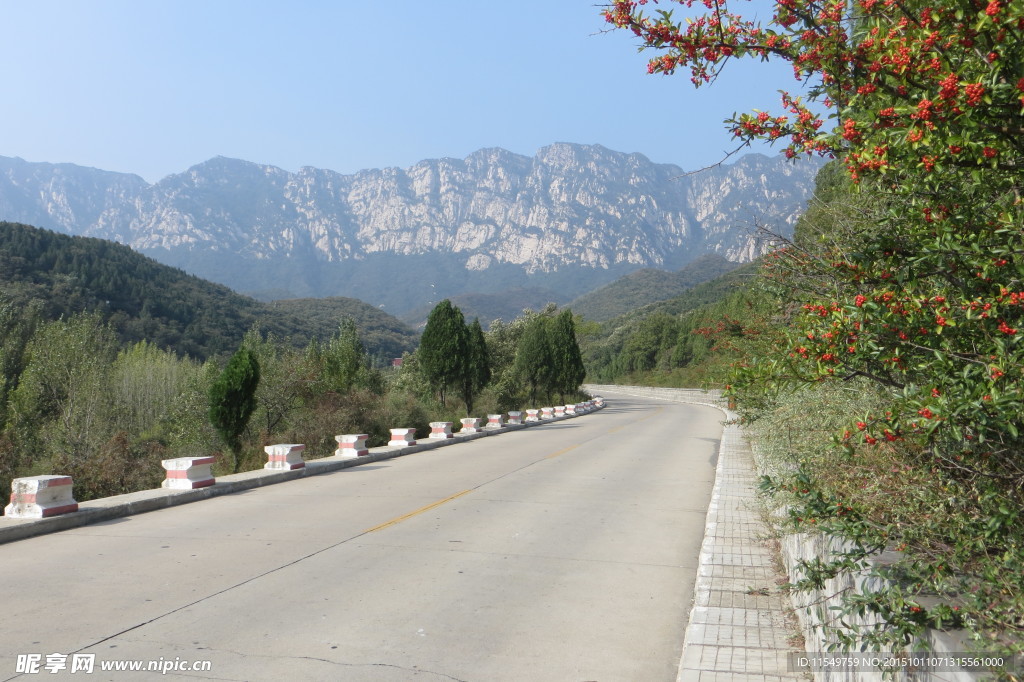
[(107, 508)]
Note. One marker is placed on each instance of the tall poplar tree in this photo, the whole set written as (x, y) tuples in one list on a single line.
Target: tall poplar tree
[(344, 357)]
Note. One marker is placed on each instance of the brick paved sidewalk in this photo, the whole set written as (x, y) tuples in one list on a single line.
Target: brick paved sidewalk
[(739, 628)]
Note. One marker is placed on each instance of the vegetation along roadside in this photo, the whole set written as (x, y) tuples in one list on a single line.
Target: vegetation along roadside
[(894, 316)]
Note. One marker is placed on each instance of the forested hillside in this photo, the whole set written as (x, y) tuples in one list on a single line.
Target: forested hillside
[(668, 343), (144, 300), (885, 386), (646, 286)]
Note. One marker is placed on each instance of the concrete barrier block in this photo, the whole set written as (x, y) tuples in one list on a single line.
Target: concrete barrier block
[(515, 418), (570, 410), (599, 401), (495, 421), (39, 497), (441, 430), (284, 456), (547, 413), (559, 410), (402, 437), (351, 445), (187, 473), (533, 415), (470, 425)]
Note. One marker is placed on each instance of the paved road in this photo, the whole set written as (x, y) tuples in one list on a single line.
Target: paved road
[(565, 552)]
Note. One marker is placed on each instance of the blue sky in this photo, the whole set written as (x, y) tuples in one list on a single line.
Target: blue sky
[(155, 86)]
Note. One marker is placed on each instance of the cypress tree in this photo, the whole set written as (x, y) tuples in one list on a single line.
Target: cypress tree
[(567, 361), (444, 348), (478, 365), (233, 399), (534, 357)]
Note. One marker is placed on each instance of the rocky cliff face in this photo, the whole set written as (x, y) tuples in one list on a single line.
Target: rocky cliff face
[(62, 197), (569, 208)]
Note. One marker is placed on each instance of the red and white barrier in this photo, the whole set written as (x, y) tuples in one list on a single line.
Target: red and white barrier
[(402, 437), (495, 421), (470, 425), (570, 410), (599, 401), (39, 497), (351, 445), (441, 430), (187, 473), (559, 410), (547, 413), (515, 418), (284, 456), (531, 415)]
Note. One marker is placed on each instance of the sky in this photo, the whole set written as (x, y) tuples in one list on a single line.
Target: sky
[(153, 87)]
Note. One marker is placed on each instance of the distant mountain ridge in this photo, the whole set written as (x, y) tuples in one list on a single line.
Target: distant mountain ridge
[(569, 219)]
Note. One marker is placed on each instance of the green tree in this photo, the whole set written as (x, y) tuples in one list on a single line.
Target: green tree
[(189, 430), (233, 400), (344, 357), (285, 380), (443, 351), (478, 367), (567, 371), (145, 384), (649, 343), (534, 362), (61, 404), (502, 343), (17, 325), (926, 301)]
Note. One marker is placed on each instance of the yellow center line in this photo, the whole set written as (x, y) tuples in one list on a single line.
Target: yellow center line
[(562, 451), (418, 511)]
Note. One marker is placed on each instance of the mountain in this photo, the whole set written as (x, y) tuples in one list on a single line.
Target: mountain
[(142, 299), (569, 219), (648, 286), (62, 197)]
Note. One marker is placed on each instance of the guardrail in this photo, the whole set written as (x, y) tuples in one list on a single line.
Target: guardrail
[(44, 504)]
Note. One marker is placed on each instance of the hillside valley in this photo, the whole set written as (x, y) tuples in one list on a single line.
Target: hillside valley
[(59, 275)]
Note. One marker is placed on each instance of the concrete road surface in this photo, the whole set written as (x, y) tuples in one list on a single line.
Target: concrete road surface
[(563, 552)]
